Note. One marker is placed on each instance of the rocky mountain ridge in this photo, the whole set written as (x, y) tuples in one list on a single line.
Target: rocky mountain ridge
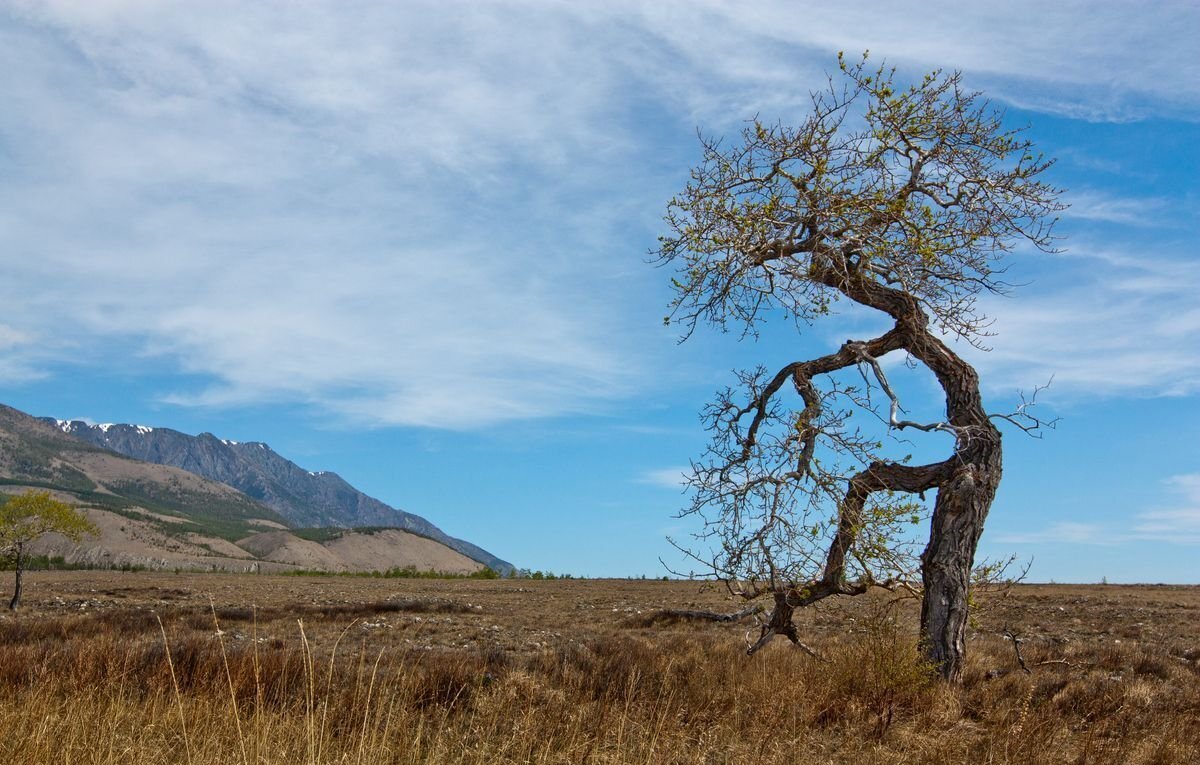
[(34, 454), (303, 498), (162, 517)]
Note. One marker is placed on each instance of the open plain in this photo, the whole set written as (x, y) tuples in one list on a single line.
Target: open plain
[(215, 668)]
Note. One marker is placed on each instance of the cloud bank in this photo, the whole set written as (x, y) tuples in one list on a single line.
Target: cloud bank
[(1175, 522), (404, 215)]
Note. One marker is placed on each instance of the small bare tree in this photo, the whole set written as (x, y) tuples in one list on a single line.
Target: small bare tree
[(903, 200)]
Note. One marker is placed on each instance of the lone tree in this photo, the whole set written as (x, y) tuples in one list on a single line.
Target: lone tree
[(24, 518), (904, 200)]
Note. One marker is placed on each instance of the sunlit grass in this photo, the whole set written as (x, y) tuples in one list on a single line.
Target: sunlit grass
[(113, 690)]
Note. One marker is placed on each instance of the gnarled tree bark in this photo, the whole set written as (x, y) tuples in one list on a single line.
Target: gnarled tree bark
[(966, 484), (19, 570)]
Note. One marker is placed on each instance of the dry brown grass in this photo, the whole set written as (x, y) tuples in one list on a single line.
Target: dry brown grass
[(311, 683)]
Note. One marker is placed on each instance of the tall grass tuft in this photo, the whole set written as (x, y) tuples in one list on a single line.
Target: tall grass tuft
[(102, 695)]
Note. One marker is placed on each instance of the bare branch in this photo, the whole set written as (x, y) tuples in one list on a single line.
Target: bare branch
[(1016, 643), (893, 418), (1028, 422), (704, 616)]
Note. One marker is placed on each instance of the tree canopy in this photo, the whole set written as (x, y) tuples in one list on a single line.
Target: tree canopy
[(25, 517)]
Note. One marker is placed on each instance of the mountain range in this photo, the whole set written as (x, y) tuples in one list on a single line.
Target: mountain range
[(175, 485)]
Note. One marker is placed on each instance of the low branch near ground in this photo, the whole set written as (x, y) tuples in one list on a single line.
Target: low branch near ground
[(1016, 642), (676, 615)]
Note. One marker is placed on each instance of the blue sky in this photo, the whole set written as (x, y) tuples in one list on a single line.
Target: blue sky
[(407, 242)]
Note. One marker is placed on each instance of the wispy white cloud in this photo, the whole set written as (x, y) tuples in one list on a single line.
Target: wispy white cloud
[(1098, 206), (405, 215), (317, 206), (1107, 61), (667, 478), (18, 371), (11, 338), (1065, 532), (1176, 521), (19, 356), (1179, 522), (1114, 323)]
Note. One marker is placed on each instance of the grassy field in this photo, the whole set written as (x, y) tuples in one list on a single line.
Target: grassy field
[(107, 667)]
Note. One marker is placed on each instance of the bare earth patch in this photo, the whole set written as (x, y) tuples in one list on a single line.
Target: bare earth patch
[(392, 548)]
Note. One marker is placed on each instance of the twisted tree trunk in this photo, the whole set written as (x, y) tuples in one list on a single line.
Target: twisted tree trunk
[(967, 484), (960, 510), (958, 516), (19, 565)]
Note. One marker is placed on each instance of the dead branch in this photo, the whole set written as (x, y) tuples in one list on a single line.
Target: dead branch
[(706, 616), (894, 420), (1016, 641), (1032, 424)]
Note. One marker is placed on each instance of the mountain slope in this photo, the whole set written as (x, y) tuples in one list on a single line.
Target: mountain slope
[(304, 498), (369, 550), (163, 517), (37, 455)]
